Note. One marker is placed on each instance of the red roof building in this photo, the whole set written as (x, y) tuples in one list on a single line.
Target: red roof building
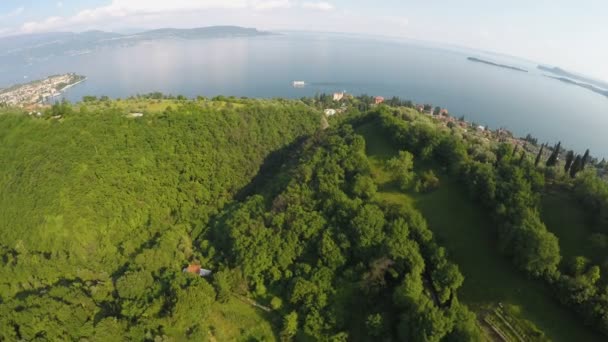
[(378, 100), (197, 269)]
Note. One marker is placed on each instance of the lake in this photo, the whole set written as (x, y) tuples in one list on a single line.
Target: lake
[(266, 66)]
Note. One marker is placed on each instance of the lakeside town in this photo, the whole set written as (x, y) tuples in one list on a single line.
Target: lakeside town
[(442, 115), (39, 91)]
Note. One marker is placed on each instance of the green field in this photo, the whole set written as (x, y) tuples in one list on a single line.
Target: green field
[(239, 321), (565, 217), (468, 235)]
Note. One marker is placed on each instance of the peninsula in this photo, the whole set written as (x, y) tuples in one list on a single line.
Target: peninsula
[(36, 92), (574, 76), (580, 84), (474, 59)]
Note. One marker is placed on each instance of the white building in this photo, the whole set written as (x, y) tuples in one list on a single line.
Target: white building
[(330, 112)]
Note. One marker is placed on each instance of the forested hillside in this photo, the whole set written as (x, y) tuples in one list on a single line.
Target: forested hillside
[(387, 225), (99, 209)]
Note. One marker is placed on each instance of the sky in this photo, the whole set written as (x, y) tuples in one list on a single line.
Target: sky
[(571, 34)]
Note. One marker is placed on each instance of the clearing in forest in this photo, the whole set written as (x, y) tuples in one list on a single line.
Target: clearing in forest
[(566, 218), (501, 295)]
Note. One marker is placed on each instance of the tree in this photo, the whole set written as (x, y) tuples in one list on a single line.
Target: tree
[(368, 226), (569, 161), (522, 157), (375, 325), (290, 326), (552, 161), (534, 248), (192, 306), (539, 156), (402, 167), (585, 160), (427, 182), (577, 166)]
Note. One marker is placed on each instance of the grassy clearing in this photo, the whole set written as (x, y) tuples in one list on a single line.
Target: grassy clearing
[(566, 218), (239, 321), (154, 106), (491, 281)]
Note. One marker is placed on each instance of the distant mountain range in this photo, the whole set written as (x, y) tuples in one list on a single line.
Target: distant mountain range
[(44, 45)]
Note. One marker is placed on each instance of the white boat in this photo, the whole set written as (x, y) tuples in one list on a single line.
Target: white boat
[(298, 84)]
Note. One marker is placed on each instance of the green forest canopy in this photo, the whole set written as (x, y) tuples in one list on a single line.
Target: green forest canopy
[(101, 210)]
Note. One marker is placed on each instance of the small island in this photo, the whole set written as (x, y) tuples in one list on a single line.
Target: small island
[(474, 59), (39, 91)]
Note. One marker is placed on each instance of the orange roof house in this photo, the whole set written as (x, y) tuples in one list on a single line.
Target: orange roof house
[(378, 99), (197, 269)]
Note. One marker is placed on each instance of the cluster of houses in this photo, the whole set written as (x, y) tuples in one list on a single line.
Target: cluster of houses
[(441, 114), (38, 91), (337, 97)]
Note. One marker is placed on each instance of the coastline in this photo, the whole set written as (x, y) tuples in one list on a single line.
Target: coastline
[(84, 78)]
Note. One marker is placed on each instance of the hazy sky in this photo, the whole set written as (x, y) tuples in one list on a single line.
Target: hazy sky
[(569, 33)]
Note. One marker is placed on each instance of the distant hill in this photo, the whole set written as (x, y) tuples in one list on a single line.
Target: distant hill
[(561, 72), (39, 46), (199, 33)]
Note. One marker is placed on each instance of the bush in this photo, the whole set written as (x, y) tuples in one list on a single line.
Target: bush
[(401, 168), (276, 303), (427, 182)]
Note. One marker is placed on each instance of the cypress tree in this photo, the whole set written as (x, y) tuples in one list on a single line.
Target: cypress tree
[(576, 166), (540, 154), (569, 160), (522, 157), (585, 160), (552, 161)]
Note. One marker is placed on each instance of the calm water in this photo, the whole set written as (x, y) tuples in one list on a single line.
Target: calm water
[(266, 66)]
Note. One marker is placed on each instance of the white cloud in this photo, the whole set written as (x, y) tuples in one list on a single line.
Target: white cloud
[(321, 6), (271, 4), (14, 13), (60, 4), (121, 9)]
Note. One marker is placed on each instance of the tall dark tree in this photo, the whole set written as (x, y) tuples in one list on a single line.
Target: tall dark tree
[(585, 160), (552, 161), (569, 160), (577, 165), (515, 150), (540, 155), (522, 157)]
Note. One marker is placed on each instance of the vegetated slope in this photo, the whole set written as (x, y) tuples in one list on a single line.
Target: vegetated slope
[(337, 262), (467, 232), (506, 185), (99, 210), (566, 217)]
